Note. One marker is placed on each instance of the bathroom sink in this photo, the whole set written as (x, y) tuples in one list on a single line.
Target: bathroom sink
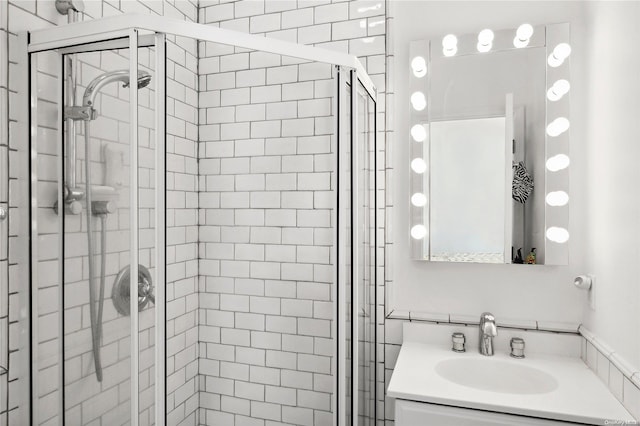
[(496, 376)]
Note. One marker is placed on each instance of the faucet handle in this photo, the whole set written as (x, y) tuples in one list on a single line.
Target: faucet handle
[(517, 347), (458, 340)]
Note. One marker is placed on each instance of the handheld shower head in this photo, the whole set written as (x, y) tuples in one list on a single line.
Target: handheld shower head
[(144, 78)]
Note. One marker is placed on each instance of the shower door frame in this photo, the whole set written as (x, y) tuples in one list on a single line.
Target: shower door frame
[(132, 41), (115, 28)]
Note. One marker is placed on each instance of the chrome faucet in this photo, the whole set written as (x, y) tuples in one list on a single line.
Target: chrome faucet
[(488, 331)]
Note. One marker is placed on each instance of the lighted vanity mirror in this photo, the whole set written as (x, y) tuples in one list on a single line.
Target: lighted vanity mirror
[(489, 135)]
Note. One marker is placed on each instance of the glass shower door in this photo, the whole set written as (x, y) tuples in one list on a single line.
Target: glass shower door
[(97, 182), (356, 253)]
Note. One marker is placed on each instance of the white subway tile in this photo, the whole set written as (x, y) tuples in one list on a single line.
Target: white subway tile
[(331, 13), (264, 23), (282, 74), (297, 415), (297, 379), (235, 405), (314, 34), (280, 217), (266, 375), (280, 395), (297, 18), (265, 340), (251, 77)]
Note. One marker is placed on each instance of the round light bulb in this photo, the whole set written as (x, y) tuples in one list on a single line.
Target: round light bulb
[(450, 52), (418, 133), (559, 54), (419, 66), (562, 51), (449, 41), (485, 37), (418, 199), (558, 162), (483, 48), (449, 45), (520, 43), (558, 90), (558, 127), (418, 165), (418, 232), (557, 234), (524, 32), (557, 198), (418, 101)]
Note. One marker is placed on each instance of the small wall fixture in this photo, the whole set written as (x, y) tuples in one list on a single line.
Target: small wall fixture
[(485, 40), (558, 162), (418, 101), (418, 199), (419, 66), (418, 232), (558, 126), (558, 90), (418, 133), (557, 235), (523, 36), (449, 45), (557, 198), (418, 165), (559, 54)]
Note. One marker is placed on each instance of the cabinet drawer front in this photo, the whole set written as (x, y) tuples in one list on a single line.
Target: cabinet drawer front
[(411, 413)]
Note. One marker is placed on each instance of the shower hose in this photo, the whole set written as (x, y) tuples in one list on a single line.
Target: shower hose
[(96, 317)]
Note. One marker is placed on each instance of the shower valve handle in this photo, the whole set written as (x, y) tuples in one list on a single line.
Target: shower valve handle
[(103, 207)]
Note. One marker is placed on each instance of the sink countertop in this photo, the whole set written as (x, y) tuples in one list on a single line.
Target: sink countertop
[(579, 397)]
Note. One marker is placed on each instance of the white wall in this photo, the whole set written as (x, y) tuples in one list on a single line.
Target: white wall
[(509, 291), (612, 207)]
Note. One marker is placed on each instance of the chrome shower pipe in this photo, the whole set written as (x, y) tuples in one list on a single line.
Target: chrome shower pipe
[(73, 193)]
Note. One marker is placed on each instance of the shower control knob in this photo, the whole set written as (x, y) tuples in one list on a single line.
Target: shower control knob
[(74, 207), (103, 207)]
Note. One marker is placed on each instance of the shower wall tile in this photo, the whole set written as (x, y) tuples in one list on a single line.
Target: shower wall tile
[(266, 196), (83, 401)]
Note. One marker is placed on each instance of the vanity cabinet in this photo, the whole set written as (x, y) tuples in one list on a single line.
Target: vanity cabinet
[(412, 413)]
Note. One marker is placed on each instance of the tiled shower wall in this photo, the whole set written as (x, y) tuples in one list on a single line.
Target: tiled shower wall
[(265, 162), (181, 203), (357, 27)]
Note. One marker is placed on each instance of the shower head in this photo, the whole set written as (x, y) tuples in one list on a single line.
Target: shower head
[(144, 78)]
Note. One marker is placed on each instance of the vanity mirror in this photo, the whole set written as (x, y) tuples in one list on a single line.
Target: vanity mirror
[(489, 135)]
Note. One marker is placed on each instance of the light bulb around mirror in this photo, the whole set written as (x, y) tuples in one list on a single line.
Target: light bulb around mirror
[(558, 90), (485, 37), (559, 54), (524, 32), (557, 234), (418, 133), (418, 199), (558, 162), (558, 126), (557, 198), (449, 45), (418, 101), (419, 66), (418, 232), (483, 48), (418, 165), (520, 43)]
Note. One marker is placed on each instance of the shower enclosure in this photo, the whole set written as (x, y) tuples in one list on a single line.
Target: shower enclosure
[(202, 220)]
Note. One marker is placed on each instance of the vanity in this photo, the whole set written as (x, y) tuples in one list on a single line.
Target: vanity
[(434, 385)]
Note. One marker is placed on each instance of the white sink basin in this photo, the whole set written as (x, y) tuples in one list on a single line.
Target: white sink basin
[(496, 375)]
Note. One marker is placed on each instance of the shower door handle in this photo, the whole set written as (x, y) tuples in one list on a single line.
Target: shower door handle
[(3, 213)]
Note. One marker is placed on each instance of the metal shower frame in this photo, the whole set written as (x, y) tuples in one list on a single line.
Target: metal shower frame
[(133, 32)]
